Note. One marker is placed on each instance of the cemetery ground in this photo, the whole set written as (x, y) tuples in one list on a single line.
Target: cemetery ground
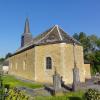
[(15, 82), (36, 91)]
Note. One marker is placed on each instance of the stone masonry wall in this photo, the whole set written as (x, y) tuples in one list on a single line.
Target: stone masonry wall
[(23, 64), (63, 61), (87, 71), (68, 62), (41, 52), (31, 64)]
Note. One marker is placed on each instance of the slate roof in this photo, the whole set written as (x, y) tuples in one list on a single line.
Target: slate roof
[(52, 35)]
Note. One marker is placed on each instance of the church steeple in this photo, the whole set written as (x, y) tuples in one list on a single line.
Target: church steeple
[(27, 29), (26, 36)]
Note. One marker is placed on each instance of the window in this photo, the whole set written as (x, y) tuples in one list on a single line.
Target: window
[(48, 63)]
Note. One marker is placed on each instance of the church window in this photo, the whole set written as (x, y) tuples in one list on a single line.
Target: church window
[(48, 63)]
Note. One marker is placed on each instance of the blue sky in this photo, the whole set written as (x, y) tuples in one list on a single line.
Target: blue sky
[(71, 15)]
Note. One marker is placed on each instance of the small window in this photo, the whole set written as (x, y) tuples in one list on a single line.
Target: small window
[(48, 63)]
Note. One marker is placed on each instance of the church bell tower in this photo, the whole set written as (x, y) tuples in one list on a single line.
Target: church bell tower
[(26, 36)]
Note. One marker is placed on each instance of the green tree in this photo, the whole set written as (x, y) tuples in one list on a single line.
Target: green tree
[(1, 60), (91, 48), (8, 55), (84, 40)]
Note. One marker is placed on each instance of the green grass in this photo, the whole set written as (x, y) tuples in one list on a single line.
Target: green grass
[(68, 96), (13, 82)]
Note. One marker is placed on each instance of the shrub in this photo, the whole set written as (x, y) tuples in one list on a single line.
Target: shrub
[(92, 94), (15, 94)]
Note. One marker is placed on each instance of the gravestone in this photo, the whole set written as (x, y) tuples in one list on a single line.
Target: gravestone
[(57, 81), (76, 79), (57, 84)]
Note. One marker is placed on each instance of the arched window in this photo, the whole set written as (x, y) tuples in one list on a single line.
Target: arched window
[(48, 63)]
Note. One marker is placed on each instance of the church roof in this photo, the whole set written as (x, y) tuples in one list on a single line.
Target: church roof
[(52, 35)]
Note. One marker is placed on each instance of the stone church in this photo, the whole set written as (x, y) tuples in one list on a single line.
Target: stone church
[(53, 50)]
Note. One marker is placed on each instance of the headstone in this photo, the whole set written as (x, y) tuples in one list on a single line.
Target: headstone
[(76, 79), (57, 84), (56, 81)]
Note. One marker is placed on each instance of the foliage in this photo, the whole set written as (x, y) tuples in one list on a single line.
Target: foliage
[(1, 86), (92, 94), (67, 96), (13, 82), (1, 60), (8, 55), (15, 94), (91, 48)]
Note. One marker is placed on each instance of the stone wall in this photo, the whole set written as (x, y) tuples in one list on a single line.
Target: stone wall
[(63, 61), (22, 64), (87, 71), (68, 62), (31, 64), (41, 52)]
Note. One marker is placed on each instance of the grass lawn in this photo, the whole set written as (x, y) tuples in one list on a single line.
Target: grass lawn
[(68, 96), (13, 82)]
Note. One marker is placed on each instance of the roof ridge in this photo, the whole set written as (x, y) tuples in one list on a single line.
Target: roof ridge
[(59, 32), (47, 33)]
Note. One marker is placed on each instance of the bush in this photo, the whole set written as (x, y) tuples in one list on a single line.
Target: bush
[(92, 94), (15, 94)]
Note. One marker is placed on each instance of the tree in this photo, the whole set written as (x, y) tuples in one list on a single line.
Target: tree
[(98, 43), (1, 60), (84, 40), (8, 55), (91, 48)]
